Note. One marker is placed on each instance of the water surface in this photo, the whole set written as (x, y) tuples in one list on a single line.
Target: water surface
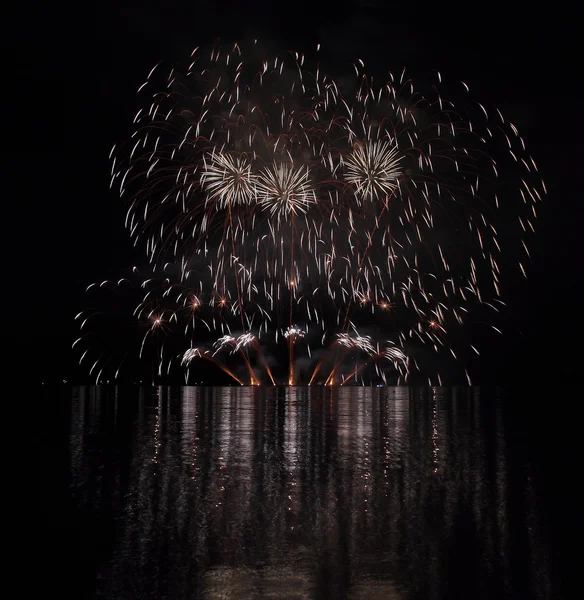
[(356, 493)]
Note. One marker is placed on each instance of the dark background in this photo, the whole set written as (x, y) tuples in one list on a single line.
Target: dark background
[(78, 72)]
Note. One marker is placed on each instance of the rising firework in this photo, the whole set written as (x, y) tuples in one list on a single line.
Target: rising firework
[(267, 193)]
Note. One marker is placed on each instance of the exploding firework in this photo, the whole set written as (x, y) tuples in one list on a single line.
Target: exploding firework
[(274, 194), (373, 169), (228, 180)]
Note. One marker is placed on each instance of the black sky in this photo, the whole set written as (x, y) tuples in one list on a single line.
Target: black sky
[(77, 79)]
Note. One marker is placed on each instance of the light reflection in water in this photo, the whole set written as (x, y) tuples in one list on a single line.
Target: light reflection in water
[(307, 493)]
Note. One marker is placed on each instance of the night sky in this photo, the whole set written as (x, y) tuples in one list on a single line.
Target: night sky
[(79, 76)]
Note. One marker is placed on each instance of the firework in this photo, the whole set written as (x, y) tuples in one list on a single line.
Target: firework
[(228, 180), (294, 332), (284, 191), (373, 169), (268, 193)]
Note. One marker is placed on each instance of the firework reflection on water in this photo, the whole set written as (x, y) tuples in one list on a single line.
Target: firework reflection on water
[(254, 492)]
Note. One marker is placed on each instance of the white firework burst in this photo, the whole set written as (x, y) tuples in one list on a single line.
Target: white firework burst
[(285, 190), (294, 331), (228, 180), (358, 342), (226, 341), (244, 340), (191, 354), (373, 169), (394, 354)]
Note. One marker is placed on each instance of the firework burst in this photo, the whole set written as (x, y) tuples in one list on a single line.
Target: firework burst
[(227, 180), (373, 169), (284, 191)]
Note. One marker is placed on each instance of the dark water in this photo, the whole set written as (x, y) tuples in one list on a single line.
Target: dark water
[(353, 493)]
